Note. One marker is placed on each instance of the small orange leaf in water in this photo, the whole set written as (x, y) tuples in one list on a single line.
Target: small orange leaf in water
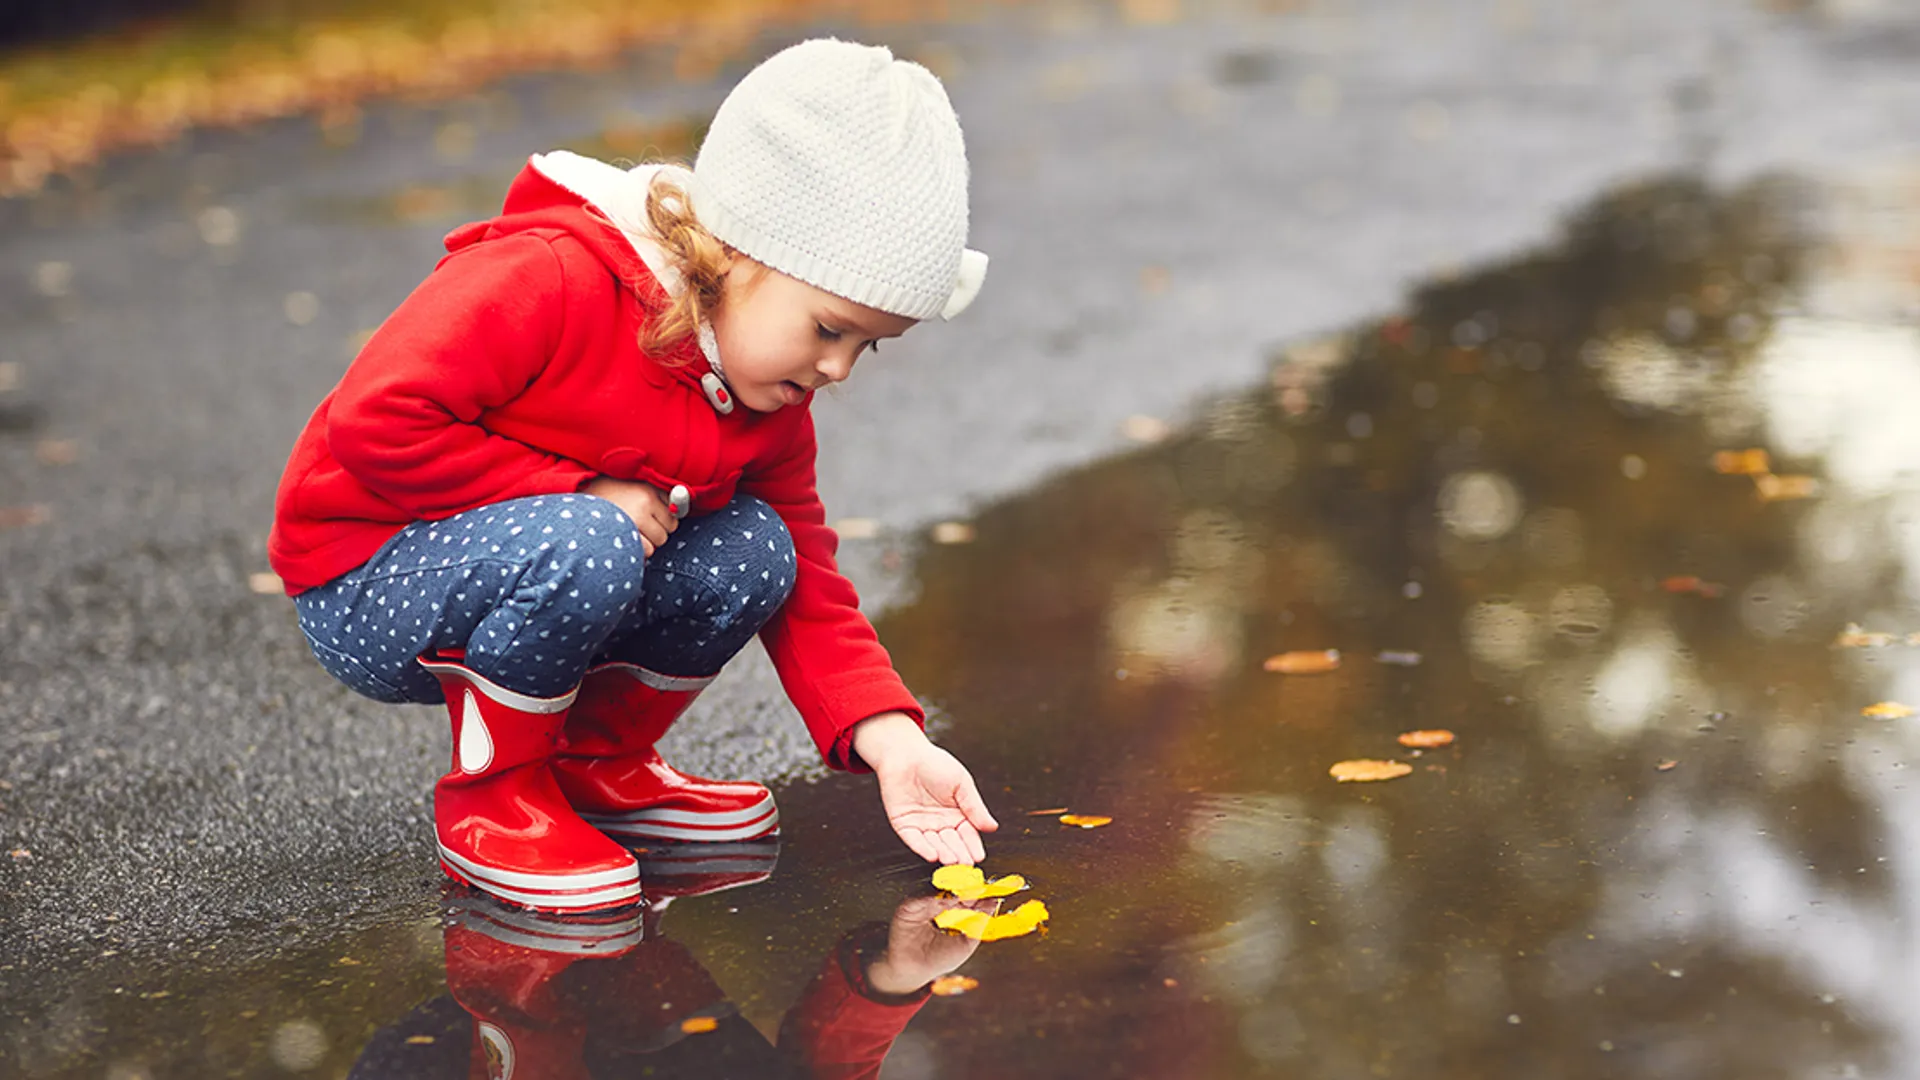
[(1853, 637), (980, 926), (953, 985), (1687, 583), (1049, 812), (1887, 710), (1085, 821), (1779, 488), (1304, 662), (1753, 462), (1666, 765), (19, 517), (968, 883), (1428, 739), (694, 1025), (1364, 769)]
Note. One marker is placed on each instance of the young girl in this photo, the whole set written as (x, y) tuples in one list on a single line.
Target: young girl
[(573, 474)]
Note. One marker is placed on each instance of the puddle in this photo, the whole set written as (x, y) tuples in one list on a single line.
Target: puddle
[(1665, 843)]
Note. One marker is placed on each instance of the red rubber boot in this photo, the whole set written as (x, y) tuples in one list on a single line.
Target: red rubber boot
[(504, 826), (612, 775)]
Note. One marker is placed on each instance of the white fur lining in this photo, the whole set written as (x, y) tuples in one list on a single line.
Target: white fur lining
[(621, 194)]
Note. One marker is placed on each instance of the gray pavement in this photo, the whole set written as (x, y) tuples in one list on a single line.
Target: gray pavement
[(1165, 203)]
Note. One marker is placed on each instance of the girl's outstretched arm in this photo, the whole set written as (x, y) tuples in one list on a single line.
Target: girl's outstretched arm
[(930, 798)]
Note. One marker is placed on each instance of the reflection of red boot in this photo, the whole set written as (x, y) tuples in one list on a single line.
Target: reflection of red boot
[(507, 969), (504, 826), (610, 772), (679, 870)]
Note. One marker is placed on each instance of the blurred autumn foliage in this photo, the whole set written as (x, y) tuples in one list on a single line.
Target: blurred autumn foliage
[(64, 105)]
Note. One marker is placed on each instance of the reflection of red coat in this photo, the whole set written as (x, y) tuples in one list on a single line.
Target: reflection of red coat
[(839, 1028), (515, 369)]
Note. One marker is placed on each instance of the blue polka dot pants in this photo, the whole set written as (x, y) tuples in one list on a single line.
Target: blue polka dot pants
[(536, 590)]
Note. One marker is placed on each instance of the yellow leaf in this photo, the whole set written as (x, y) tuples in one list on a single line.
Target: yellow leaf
[(1305, 662), (953, 985), (1427, 740), (1085, 821), (968, 883), (1887, 710), (694, 1025), (1365, 770), (1777, 488), (1742, 462), (980, 926), (1853, 637)]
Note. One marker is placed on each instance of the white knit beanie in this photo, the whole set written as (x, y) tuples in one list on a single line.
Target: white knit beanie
[(839, 165)]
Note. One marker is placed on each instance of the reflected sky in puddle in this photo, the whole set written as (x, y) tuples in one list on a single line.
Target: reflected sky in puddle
[(1666, 844)]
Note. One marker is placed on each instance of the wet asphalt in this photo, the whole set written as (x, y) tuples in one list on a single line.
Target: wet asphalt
[(1166, 203)]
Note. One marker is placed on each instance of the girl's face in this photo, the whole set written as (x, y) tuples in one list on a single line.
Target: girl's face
[(781, 338)]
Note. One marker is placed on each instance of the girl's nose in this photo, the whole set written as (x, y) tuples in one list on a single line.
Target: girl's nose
[(835, 367)]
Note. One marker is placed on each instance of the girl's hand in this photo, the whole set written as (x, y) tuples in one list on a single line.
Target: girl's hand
[(930, 798), (919, 952), (644, 503)]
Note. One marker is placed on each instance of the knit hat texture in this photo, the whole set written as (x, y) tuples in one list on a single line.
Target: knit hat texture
[(839, 165)]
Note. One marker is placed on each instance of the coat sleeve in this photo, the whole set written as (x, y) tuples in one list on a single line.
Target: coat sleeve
[(405, 420), (831, 662), (840, 1029)]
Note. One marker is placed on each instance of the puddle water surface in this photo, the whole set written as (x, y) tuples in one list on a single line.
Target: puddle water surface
[(1665, 843)]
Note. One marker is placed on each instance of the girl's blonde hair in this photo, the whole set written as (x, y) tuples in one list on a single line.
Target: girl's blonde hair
[(701, 260)]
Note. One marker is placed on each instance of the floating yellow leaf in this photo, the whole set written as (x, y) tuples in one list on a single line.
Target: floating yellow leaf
[(1887, 710), (694, 1025), (1085, 821), (1753, 462), (968, 883), (1666, 765), (1427, 739), (953, 985), (1048, 812), (1853, 637), (980, 926), (1305, 662), (953, 532), (1777, 488), (1365, 769)]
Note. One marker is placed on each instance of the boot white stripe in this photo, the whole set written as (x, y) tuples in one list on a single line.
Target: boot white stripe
[(553, 943), (676, 832), (667, 816), (659, 681), (619, 875), (499, 693), (563, 900)]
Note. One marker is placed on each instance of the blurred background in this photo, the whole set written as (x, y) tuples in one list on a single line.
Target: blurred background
[(1550, 362)]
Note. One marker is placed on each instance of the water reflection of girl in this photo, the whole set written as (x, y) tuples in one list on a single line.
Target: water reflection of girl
[(573, 997)]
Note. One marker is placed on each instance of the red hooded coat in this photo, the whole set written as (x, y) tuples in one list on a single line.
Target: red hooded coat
[(515, 369)]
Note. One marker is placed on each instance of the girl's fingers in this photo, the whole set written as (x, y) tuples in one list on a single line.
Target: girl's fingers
[(970, 839), (974, 809), (951, 849), (918, 843)]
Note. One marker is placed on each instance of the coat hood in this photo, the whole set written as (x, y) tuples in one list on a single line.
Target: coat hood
[(601, 205)]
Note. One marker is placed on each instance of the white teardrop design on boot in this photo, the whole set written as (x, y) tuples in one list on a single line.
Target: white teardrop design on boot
[(476, 744)]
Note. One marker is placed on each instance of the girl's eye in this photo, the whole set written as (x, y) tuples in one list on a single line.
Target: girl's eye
[(825, 334)]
